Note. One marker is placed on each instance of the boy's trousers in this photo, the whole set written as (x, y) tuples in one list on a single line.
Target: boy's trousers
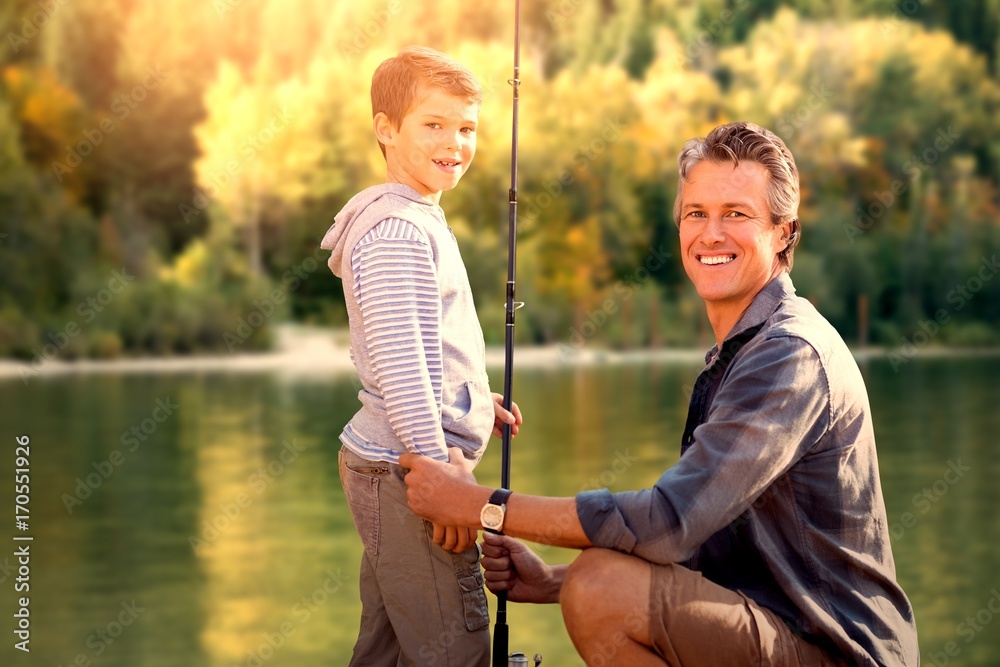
[(421, 605)]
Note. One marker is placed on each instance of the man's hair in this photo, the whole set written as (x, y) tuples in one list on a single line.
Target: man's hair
[(398, 81), (741, 140)]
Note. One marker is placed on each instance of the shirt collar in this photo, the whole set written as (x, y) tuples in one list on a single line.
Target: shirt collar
[(761, 308)]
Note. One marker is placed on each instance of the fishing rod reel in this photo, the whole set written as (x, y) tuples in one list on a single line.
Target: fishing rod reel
[(518, 659)]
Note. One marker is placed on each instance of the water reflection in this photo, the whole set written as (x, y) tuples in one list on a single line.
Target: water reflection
[(225, 522)]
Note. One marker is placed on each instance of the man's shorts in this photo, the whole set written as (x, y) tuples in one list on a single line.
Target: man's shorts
[(694, 621)]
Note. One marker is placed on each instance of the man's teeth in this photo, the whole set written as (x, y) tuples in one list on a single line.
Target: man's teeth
[(721, 259)]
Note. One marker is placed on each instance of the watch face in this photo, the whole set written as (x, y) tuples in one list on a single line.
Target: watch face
[(492, 516)]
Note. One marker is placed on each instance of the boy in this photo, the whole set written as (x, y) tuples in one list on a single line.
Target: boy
[(418, 348)]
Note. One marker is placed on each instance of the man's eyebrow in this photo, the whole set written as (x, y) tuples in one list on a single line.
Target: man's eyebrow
[(738, 204)]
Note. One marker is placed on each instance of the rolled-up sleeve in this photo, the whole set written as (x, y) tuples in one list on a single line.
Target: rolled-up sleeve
[(769, 411)]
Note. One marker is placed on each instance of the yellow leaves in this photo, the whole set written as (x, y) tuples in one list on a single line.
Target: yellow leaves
[(190, 267), (591, 135), (572, 262), (259, 140), (50, 111), (832, 85), (672, 101), (51, 119)]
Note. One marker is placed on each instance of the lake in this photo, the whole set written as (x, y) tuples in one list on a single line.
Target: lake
[(197, 519)]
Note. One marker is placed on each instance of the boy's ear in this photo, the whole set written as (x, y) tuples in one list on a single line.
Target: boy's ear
[(384, 131)]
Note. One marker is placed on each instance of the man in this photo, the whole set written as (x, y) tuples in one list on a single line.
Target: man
[(767, 543)]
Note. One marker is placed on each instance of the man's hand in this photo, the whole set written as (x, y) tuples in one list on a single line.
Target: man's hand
[(456, 538), (509, 565), (443, 493), (501, 416)]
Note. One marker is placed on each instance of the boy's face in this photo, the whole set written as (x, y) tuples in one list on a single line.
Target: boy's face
[(434, 144)]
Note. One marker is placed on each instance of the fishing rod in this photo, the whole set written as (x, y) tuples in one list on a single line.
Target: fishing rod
[(501, 633)]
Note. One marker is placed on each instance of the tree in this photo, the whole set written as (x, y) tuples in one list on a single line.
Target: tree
[(258, 148)]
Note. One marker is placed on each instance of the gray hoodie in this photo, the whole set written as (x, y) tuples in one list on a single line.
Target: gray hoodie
[(447, 364)]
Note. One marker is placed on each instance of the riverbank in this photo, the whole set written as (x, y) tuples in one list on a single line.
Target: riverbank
[(301, 350)]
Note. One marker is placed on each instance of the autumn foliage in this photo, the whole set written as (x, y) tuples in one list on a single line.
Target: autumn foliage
[(205, 146)]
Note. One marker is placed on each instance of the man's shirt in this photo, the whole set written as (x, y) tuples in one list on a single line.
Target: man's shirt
[(776, 493)]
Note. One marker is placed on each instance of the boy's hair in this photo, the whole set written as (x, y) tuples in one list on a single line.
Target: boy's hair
[(397, 82), (741, 140)]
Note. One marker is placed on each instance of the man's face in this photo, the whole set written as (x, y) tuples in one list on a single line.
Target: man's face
[(434, 144), (728, 243)]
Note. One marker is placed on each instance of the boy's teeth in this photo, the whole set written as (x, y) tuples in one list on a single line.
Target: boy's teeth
[(722, 259)]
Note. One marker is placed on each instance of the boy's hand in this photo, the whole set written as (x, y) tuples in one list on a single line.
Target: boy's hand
[(457, 459), (501, 416), (454, 539)]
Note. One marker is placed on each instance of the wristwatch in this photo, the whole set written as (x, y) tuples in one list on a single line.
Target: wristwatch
[(494, 510)]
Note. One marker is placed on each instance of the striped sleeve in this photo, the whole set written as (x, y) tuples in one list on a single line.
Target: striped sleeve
[(396, 287)]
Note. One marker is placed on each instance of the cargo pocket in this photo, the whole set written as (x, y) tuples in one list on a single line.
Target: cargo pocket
[(470, 580), (361, 491)]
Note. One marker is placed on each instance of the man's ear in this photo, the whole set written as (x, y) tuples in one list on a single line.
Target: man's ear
[(789, 232), (384, 130)]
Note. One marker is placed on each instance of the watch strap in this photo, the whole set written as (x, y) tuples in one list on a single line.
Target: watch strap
[(500, 497), (497, 499)]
